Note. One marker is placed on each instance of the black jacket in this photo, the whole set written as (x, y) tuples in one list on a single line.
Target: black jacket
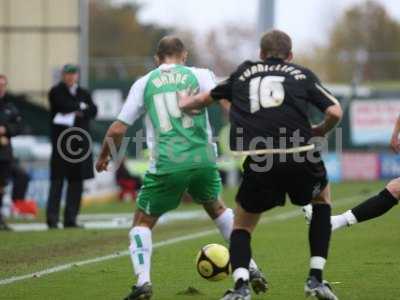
[(78, 164), (11, 120)]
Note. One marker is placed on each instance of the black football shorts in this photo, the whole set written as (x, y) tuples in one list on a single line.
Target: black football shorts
[(264, 188)]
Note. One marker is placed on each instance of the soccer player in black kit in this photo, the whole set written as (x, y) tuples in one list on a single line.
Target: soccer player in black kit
[(269, 123)]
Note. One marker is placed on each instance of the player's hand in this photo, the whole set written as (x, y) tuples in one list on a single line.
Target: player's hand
[(184, 100), (102, 164), (190, 111), (395, 144), (3, 130)]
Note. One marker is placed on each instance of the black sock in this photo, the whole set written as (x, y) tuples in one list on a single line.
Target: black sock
[(375, 206), (240, 249), (320, 235)]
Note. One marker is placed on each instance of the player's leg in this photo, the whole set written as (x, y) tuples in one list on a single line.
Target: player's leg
[(319, 239), (371, 208), (311, 185), (320, 233), (141, 248), (221, 215), (158, 195), (205, 188), (223, 218), (257, 193), (240, 252), (240, 247)]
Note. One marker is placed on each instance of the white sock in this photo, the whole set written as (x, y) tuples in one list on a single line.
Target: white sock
[(140, 250), (253, 265), (338, 222), (317, 262), (343, 220), (350, 217), (241, 273), (224, 222)]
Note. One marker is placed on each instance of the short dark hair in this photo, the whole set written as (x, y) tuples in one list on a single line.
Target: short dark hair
[(170, 46), (276, 43)]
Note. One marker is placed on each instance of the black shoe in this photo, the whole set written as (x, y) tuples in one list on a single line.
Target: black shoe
[(52, 226), (258, 281), (73, 225), (322, 291), (143, 292), (240, 292)]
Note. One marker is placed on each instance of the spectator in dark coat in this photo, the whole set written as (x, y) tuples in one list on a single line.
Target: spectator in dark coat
[(10, 125), (71, 110)]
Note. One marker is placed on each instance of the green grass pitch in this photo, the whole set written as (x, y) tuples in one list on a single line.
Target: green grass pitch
[(364, 262)]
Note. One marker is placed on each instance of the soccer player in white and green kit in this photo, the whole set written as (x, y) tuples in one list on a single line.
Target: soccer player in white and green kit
[(182, 155)]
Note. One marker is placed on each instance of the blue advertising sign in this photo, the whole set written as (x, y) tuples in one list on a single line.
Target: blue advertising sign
[(333, 166), (390, 166)]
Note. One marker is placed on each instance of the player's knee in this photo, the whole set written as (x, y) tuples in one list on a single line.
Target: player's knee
[(394, 187), (144, 220), (245, 220), (321, 200), (324, 197)]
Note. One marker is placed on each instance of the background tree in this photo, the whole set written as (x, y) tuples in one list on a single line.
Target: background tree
[(365, 39), (119, 45), (223, 49)]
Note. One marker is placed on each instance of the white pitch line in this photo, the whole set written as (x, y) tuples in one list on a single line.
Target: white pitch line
[(114, 221), (266, 220)]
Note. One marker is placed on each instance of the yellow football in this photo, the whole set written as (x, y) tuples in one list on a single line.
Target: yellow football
[(213, 262)]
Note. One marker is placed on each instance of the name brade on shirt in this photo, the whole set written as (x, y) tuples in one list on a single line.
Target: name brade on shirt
[(170, 78)]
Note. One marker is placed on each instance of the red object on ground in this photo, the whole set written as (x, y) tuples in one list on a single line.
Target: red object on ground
[(128, 189), (25, 208)]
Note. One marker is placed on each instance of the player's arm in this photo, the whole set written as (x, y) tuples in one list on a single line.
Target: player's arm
[(326, 103), (112, 141), (130, 112), (394, 142), (188, 103), (225, 105), (333, 115), (222, 91)]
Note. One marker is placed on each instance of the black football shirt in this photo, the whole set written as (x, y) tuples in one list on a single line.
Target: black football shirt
[(270, 101)]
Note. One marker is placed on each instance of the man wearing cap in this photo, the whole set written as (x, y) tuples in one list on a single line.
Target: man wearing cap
[(71, 109)]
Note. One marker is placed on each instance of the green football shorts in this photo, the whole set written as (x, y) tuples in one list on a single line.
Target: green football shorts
[(161, 193)]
